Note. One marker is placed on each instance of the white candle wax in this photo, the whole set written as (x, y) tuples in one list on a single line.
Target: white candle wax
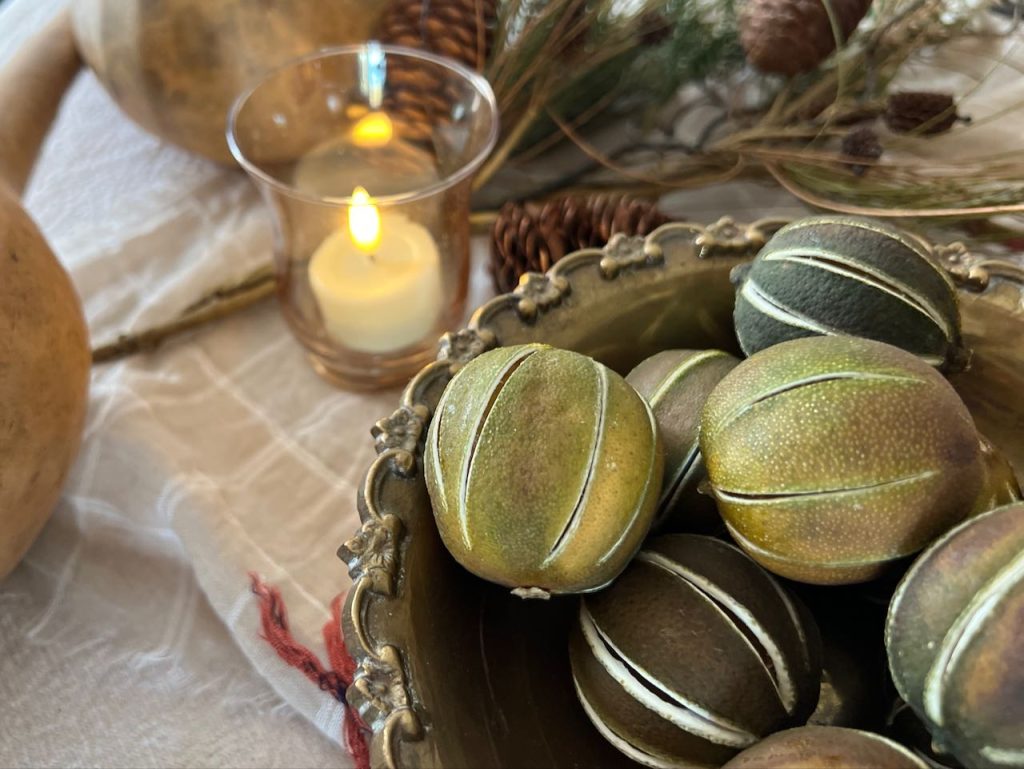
[(382, 300)]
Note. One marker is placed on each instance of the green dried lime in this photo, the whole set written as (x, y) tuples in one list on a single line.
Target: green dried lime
[(999, 485), (675, 384), (543, 468), (831, 457)]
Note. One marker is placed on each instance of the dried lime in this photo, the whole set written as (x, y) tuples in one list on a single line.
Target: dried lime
[(544, 468), (693, 654), (956, 650), (831, 457), (828, 275)]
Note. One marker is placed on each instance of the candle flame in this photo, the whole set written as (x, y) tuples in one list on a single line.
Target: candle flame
[(363, 221), (373, 129)]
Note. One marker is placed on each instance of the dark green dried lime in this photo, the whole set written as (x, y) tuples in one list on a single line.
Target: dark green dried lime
[(829, 275)]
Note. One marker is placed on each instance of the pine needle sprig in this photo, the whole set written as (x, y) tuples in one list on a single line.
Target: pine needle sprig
[(560, 58)]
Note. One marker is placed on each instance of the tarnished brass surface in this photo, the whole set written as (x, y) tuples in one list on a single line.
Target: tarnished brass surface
[(453, 672)]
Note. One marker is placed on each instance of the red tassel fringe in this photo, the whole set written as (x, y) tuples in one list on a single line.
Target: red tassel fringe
[(334, 679)]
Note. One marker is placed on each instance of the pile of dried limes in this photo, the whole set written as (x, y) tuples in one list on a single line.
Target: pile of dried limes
[(831, 456)]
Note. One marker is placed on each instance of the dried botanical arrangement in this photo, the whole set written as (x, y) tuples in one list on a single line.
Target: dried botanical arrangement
[(805, 93), (801, 93)]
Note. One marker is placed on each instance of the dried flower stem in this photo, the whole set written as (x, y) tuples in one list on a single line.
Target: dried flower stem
[(959, 212)]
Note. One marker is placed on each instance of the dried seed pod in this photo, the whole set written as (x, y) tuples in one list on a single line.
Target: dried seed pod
[(675, 384), (954, 639), (544, 468), (693, 654), (827, 275), (999, 486), (832, 456), (814, 747), (926, 112), (861, 144)]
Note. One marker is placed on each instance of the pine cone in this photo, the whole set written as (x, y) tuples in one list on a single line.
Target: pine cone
[(922, 111), (459, 29), (531, 238), (788, 37), (522, 244)]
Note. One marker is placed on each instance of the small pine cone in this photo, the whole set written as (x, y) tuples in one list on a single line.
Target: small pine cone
[(861, 143), (590, 222), (920, 111), (789, 37), (532, 238), (612, 214), (654, 28)]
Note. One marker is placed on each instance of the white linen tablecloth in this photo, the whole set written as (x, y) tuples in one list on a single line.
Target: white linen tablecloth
[(129, 635)]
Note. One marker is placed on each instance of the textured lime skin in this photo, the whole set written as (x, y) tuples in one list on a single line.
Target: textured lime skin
[(826, 747), (543, 468), (661, 626), (831, 457), (849, 275), (675, 384), (955, 639)]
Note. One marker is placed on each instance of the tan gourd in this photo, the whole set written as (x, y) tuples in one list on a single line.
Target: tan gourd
[(176, 66), (44, 344)]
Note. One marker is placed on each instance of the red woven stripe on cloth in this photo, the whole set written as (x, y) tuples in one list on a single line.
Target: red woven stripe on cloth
[(334, 679)]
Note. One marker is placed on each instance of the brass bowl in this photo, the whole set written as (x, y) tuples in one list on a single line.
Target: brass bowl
[(455, 672)]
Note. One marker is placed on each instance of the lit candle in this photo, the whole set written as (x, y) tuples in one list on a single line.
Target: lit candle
[(377, 282)]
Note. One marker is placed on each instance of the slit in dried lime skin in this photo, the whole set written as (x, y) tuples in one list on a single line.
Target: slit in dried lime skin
[(676, 384)]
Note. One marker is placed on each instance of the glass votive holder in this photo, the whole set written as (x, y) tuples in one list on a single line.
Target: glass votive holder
[(365, 155)]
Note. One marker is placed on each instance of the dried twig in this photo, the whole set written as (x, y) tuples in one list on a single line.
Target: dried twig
[(219, 303)]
